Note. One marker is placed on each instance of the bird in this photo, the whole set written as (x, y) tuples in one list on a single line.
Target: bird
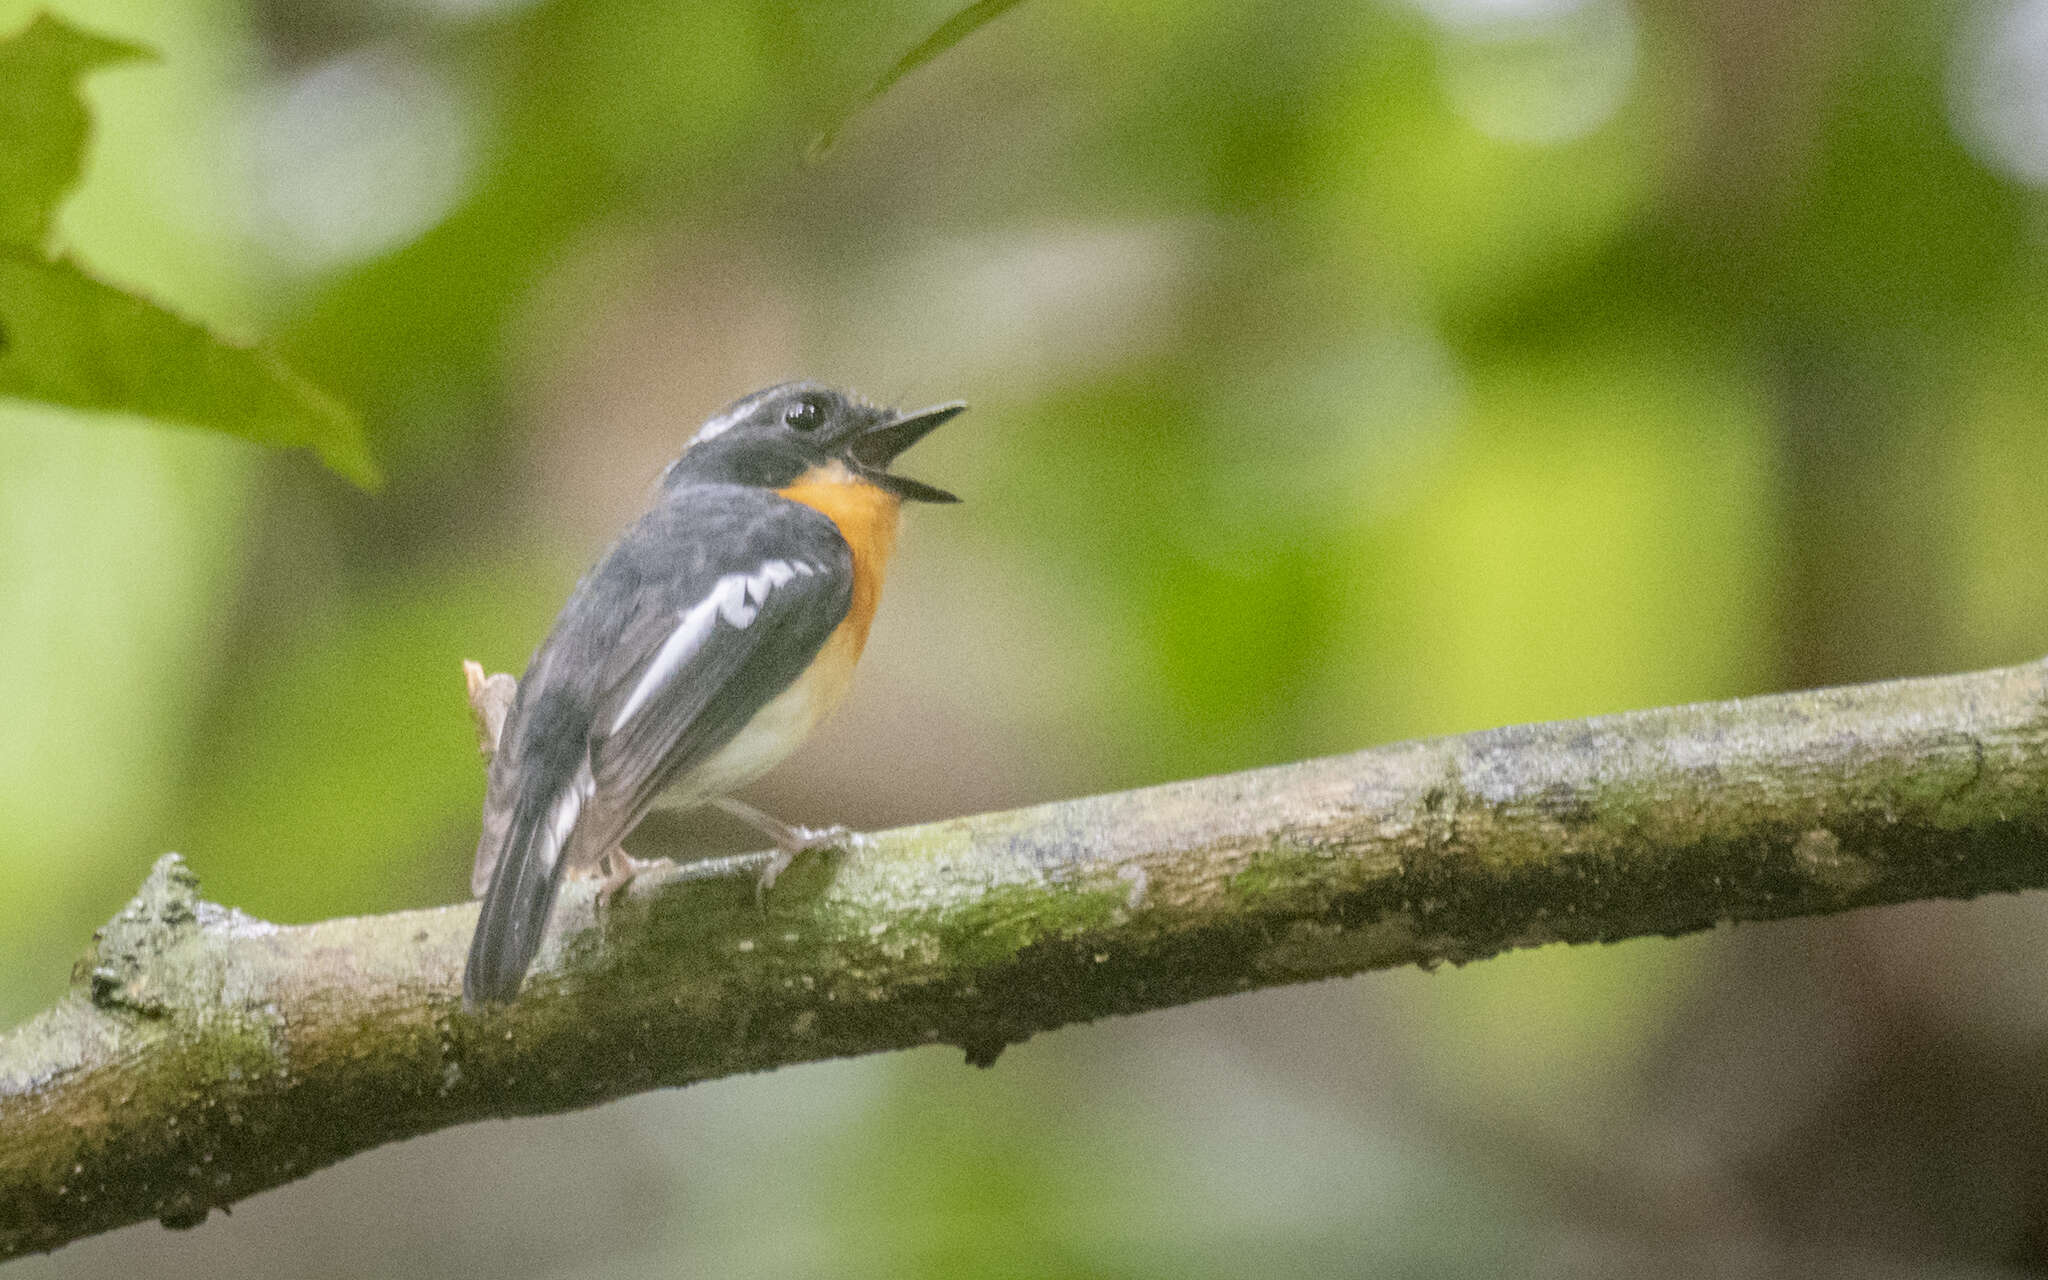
[(703, 647)]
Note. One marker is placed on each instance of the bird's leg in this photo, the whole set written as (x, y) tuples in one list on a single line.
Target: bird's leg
[(791, 842), (620, 868)]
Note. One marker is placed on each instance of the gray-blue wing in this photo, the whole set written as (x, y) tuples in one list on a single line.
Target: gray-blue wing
[(702, 614), (722, 660)]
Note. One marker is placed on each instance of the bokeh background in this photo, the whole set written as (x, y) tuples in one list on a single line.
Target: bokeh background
[(1342, 371)]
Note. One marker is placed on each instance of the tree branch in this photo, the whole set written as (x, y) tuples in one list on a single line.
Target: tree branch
[(203, 1056)]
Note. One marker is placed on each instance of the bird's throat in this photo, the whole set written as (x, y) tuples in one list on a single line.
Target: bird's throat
[(866, 517)]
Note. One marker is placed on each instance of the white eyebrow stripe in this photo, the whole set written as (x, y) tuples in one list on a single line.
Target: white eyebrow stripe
[(724, 422), (736, 597), (715, 427)]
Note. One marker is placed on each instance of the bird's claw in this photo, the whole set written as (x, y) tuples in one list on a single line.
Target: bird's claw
[(815, 839), (621, 869), (804, 840)]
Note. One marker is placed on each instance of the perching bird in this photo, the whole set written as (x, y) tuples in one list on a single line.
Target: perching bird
[(704, 647)]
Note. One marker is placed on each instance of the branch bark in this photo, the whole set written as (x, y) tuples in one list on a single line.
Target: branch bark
[(202, 1055)]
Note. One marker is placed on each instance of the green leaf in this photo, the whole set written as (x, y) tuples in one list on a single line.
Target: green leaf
[(43, 121), (949, 33), (69, 339)]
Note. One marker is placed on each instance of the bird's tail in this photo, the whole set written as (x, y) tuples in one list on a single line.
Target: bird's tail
[(522, 893)]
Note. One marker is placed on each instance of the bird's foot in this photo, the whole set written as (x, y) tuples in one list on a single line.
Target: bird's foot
[(620, 869), (791, 842), (808, 840)]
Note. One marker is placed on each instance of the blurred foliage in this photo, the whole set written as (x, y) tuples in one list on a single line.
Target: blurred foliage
[(45, 120), (69, 339), (1340, 372), (949, 33)]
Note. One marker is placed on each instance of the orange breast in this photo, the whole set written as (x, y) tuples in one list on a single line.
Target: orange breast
[(866, 517)]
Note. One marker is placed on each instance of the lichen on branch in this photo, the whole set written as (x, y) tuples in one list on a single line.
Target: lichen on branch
[(202, 1056)]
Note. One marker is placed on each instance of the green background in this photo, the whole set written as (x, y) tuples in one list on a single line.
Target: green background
[(1341, 372)]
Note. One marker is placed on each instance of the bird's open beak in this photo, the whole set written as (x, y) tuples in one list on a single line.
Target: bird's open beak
[(874, 449)]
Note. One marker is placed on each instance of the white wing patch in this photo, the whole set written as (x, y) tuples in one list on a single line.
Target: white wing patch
[(737, 598), (562, 817)]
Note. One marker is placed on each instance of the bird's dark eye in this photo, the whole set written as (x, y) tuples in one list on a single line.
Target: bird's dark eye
[(804, 415)]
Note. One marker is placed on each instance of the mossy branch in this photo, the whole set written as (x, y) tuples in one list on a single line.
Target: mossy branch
[(203, 1056)]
